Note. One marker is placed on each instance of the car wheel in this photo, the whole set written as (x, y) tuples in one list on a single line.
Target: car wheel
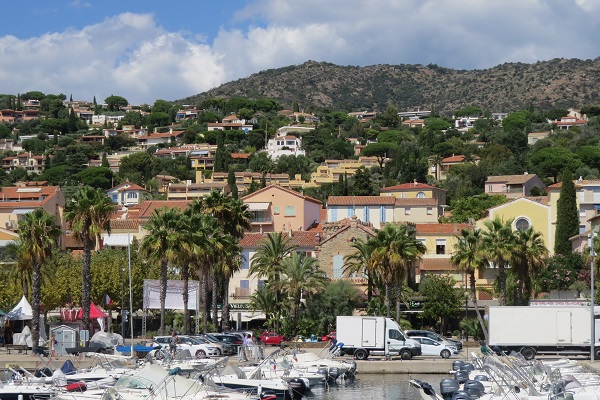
[(361, 354), (528, 353), (200, 354), (406, 355), (445, 353)]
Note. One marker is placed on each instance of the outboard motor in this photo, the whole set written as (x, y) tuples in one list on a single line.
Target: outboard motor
[(475, 389), (298, 388), (334, 373), (323, 371), (427, 389), (268, 395), (448, 387), (457, 364), (42, 372), (461, 395), (461, 376), (468, 367), (482, 378)]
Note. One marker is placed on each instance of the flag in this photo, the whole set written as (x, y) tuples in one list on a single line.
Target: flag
[(108, 301)]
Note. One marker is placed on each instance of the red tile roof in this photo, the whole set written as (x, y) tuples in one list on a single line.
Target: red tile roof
[(240, 155), (127, 186), (457, 159), (511, 179), (19, 197), (290, 191), (302, 239), (408, 186), (425, 229), (147, 207), (126, 224), (360, 200)]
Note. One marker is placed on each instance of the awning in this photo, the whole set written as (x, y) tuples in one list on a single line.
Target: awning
[(118, 240), (23, 211), (248, 316), (258, 206)]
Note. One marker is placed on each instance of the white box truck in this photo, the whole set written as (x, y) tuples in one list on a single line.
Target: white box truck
[(531, 330), (363, 336)]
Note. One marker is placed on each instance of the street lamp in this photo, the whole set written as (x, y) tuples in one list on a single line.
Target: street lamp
[(592, 316)]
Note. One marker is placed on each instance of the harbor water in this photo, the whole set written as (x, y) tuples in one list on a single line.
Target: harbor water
[(374, 386)]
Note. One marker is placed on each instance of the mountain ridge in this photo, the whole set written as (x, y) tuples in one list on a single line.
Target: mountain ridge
[(557, 83)]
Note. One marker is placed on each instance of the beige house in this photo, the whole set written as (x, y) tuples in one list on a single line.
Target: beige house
[(32, 164), (17, 201), (415, 190), (275, 209), (191, 191), (513, 186)]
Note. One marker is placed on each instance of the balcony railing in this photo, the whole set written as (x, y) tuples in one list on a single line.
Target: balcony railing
[(262, 220), (241, 293)]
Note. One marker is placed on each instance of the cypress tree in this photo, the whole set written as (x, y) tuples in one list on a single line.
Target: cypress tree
[(105, 160), (231, 183), (567, 217)]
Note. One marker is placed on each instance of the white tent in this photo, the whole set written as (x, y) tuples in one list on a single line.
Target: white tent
[(22, 311)]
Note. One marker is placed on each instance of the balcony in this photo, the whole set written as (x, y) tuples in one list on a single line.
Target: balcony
[(241, 293), (261, 220)]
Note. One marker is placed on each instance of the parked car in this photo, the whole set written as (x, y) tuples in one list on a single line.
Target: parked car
[(226, 348), (230, 339), (271, 338), (329, 337), (197, 349), (430, 347), (435, 336)]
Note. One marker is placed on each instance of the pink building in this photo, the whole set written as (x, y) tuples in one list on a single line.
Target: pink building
[(275, 209)]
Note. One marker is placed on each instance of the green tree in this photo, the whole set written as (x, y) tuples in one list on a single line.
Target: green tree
[(498, 244), (232, 184), (361, 261), (468, 257), (395, 251), (443, 300), (380, 150), (567, 216), (88, 214), (299, 274), (550, 161), (529, 258), (39, 234), (114, 103), (163, 243), (96, 177)]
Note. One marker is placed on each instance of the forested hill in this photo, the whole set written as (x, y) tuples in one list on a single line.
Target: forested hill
[(558, 83)]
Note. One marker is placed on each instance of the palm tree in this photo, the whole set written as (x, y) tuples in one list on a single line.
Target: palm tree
[(468, 257), (300, 274), (232, 262), (436, 161), (361, 261), (268, 259), (39, 234), (163, 243), (498, 244), (265, 300), (529, 257), (88, 214), (396, 250)]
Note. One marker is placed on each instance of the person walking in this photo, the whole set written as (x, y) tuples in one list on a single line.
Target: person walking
[(246, 343), (53, 343), (173, 342)]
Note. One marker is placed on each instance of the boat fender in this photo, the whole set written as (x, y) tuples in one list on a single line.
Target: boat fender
[(76, 387)]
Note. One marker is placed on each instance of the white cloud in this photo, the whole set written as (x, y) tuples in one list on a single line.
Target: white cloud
[(132, 56)]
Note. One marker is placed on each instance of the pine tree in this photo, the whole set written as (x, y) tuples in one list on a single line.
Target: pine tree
[(567, 217), (105, 160), (232, 184)]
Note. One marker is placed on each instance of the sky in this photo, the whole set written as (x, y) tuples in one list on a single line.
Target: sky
[(149, 50)]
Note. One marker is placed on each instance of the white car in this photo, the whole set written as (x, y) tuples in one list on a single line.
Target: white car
[(197, 349), (430, 347)]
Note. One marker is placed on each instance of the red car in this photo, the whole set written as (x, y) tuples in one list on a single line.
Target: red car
[(329, 337), (271, 338)]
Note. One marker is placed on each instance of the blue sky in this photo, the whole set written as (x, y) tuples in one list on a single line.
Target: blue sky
[(148, 50)]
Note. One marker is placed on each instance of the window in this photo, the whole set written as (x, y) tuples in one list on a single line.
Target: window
[(338, 266), (290, 211), (334, 216), (420, 195), (490, 188), (407, 211), (276, 210), (260, 283), (522, 224), (246, 257), (366, 213), (245, 284), (115, 197), (382, 214), (440, 246), (396, 334), (429, 210), (132, 195)]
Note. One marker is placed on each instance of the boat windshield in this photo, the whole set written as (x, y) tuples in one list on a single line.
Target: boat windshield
[(134, 382)]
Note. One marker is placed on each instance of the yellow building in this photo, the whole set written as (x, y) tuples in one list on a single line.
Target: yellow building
[(526, 212), (330, 170)]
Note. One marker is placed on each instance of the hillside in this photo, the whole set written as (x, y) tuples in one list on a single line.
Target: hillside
[(558, 83)]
